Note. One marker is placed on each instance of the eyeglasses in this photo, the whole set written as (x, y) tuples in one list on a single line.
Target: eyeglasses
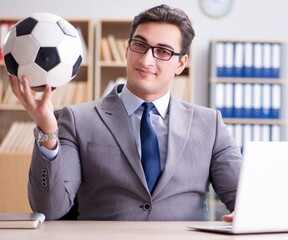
[(160, 53)]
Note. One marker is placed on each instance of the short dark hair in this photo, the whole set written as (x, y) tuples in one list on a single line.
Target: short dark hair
[(165, 14)]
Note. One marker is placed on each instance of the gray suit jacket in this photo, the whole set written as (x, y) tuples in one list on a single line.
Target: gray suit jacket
[(98, 161)]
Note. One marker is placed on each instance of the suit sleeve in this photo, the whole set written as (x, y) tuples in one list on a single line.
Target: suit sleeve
[(225, 164), (53, 184)]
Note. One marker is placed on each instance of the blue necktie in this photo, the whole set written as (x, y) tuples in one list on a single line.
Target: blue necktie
[(149, 148)]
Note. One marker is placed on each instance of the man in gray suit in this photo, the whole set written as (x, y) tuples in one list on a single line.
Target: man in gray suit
[(94, 150)]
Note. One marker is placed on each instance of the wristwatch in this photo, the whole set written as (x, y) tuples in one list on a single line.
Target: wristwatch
[(44, 137)]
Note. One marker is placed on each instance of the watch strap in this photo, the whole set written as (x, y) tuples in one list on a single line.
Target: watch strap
[(40, 136)]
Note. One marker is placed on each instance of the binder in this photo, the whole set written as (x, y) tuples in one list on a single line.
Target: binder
[(256, 132), (275, 133), (276, 101), (266, 101), (248, 60), (276, 60), (228, 60), (267, 60), (257, 60), (248, 100), (220, 59), (238, 59), (239, 135), (238, 100), (256, 101), (247, 133), (228, 100), (230, 128), (219, 97), (4, 29), (266, 135), (21, 220)]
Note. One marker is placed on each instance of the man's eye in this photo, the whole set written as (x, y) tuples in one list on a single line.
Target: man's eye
[(140, 45), (163, 51)]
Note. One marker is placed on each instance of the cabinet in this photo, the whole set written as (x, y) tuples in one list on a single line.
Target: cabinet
[(16, 135), (110, 64), (248, 85)]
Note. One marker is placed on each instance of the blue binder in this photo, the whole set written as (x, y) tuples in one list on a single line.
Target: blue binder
[(276, 60), (248, 60), (257, 60), (238, 59)]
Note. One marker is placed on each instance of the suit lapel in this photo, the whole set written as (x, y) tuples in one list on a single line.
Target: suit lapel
[(113, 113), (180, 121)]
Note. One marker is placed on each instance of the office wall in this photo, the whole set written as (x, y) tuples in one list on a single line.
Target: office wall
[(249, 19)]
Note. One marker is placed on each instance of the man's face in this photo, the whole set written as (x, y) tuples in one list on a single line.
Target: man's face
[(148, 77)]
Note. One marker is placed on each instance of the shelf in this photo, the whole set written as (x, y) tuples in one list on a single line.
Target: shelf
[(260, 121), (248, 80)]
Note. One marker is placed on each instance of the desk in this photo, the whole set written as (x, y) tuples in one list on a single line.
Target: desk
[(94, 230)]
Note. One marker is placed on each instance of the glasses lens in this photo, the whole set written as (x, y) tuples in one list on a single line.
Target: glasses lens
[(138, 46), (162, 53)]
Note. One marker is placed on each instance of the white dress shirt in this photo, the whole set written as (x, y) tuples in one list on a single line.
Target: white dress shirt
[(158, 116), (133, 105)]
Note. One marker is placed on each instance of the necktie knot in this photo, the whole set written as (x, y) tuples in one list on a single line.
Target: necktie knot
[(148, 106)]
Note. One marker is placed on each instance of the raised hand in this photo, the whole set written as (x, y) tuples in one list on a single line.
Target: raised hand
[(40, 109)]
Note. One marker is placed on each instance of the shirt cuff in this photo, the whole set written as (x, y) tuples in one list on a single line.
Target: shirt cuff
[(47, 153)]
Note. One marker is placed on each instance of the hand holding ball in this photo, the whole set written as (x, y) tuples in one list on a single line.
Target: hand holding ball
[(45, 48)]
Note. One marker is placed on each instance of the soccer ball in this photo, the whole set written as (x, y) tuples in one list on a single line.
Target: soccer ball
[(45, 48)]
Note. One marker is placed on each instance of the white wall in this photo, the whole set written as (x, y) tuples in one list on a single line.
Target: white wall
[(249, 19)]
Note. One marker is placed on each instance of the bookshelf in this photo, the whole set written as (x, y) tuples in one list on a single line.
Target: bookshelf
[(110, 64), (248, 85), (16, 135)]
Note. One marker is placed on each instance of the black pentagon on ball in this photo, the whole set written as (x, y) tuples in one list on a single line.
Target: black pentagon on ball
[(26, 26), (76, 66), (11, 64), (66, 28), (47, 58)]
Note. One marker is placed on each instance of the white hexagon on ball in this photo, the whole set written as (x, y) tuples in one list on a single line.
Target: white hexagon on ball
[(48, 34), (25, 49), (39, 79)]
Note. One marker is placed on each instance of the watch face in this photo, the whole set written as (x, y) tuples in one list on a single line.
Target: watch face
[(216, 8)]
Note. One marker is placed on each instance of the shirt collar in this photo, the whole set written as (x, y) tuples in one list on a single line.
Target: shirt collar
[(132, 102)]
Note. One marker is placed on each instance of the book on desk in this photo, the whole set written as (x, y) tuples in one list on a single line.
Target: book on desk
[(21, 220)]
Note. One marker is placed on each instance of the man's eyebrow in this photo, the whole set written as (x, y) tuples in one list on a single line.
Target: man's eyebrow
[(139, 36), (159, 44)]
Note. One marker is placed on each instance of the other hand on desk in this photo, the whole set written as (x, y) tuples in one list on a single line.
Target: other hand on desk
[(228, 217)]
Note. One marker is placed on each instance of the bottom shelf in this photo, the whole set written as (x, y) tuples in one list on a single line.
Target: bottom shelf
[(14, 168)]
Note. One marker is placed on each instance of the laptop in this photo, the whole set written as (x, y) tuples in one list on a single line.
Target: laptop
[(262, 196)]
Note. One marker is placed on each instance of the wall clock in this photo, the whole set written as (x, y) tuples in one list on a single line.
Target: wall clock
[(216, 8)]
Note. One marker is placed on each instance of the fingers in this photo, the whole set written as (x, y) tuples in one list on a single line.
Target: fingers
[(228, 218), (47, 94), (25, 96)]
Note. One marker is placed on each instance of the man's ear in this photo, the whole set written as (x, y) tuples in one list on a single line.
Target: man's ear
[(181, 64)]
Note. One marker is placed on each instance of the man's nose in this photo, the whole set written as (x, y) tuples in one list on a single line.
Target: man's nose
[(148, 55)]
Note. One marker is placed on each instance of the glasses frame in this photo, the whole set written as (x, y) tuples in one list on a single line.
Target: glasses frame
[(153, 47)]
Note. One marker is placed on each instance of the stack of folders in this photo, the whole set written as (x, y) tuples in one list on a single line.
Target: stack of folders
[(256, 96), (248, 100), (248, 59), (243, 133)]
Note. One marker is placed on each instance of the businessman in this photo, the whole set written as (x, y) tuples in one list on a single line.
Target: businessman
[(138, 153)]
